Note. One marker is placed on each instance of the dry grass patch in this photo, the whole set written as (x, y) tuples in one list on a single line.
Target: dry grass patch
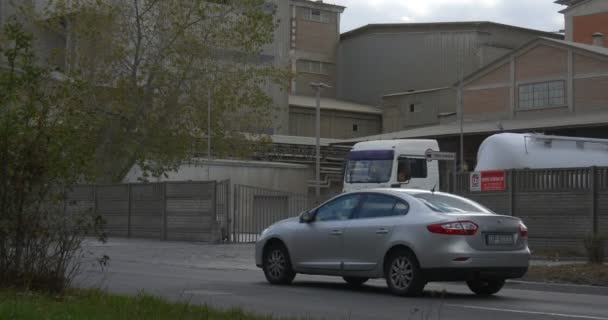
[(587, 274)]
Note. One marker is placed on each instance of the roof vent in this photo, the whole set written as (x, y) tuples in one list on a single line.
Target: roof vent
[(598, 39)]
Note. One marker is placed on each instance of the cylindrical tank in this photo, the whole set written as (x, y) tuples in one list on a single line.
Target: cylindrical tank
[(534, 151)]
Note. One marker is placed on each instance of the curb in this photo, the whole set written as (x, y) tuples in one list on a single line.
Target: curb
[(557, 287)]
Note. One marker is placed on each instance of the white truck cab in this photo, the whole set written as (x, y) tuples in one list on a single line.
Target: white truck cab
[(391, 164)]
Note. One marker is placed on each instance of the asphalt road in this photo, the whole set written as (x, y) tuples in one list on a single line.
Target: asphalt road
[(222, 277)]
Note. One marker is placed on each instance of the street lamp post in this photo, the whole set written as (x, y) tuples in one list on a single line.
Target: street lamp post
[(318, 87)]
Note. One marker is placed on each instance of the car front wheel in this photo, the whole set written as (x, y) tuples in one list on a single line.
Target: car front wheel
[(403, 274), (485, 287), (277, 266)]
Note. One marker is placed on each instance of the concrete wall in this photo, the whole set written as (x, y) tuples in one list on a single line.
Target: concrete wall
[(590, 83), (304, 79), (314, 41), (269, 175), (495, 95), (334, 124), (377, 61), (398, 113), (279, 49)]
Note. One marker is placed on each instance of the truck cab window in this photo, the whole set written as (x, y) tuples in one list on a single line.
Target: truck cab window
[(411, 168)]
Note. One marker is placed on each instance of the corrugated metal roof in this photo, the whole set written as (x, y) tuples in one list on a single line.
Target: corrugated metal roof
[(414, 92), (319, 3), (332, 104), (570, 3), (469, 24), (309, 141), (451, 129), (582, 46)]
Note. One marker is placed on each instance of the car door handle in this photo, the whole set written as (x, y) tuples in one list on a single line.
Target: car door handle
[(336, 233), (382, 231)]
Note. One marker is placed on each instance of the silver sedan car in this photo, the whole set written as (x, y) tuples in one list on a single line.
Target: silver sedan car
[(408, 237)]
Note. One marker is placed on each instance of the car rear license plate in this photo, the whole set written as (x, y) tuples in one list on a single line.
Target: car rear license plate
[(499, 239)]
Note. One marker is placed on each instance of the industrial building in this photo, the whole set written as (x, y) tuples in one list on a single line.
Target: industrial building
[(545, 85)]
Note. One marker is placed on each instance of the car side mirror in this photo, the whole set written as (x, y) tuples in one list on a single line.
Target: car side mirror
[(307, 217), (400, 184)]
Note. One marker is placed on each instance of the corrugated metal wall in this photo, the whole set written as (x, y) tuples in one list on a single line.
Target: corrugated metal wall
[(559, 206), (372, 65), (169, 211)]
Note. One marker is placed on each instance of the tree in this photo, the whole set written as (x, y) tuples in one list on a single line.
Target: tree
[(46, 144), (133, 90), (150, 67)]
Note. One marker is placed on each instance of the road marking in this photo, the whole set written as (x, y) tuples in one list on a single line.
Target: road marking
[(528, 312)]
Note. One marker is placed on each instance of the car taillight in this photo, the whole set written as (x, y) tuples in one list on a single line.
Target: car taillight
[(459, 228), (523, 230)]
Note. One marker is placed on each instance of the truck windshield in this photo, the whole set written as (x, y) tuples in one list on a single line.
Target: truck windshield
[(369, 171), (369, 166)]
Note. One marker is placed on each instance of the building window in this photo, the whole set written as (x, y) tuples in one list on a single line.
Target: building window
[(415, 108), (355, 127), (316, 15), (542, 95), (317, 67)]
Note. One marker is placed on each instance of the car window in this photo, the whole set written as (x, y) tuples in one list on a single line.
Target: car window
[(450, 204), (401, 209), (378, 206), (339, 209)]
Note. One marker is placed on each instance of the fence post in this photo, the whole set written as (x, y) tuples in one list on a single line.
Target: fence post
[(163, 233), (511, 175), (235, 217), (594, 204), (129, 211), (229, 209)]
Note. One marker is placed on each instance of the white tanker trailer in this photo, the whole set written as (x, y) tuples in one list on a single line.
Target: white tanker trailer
[(535, 151)]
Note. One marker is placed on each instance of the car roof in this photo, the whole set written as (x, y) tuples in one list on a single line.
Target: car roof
[(397, 191)]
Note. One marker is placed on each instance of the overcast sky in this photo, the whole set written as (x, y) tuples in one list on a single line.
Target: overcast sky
[(536, 14)]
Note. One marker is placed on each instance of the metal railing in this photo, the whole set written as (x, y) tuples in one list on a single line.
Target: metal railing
[(256, 208)]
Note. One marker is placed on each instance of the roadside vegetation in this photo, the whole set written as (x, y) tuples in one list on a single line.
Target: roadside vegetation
[(134, 94), (586, 274), (95, 305)]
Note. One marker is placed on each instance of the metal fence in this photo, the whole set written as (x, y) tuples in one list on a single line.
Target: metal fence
[(168, 211), (256, 208), (560, 206), (222, 207)]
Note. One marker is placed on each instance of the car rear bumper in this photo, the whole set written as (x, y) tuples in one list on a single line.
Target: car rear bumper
[(463, 274)]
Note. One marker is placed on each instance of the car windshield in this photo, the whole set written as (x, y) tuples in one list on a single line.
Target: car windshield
[(450, 204)]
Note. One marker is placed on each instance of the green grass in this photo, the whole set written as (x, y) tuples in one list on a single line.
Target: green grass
[(588, 274), (95, 305)]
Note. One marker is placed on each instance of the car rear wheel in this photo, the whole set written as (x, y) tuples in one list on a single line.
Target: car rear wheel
[(485, 287), (277, 266), (355, 281), (403, 275)]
